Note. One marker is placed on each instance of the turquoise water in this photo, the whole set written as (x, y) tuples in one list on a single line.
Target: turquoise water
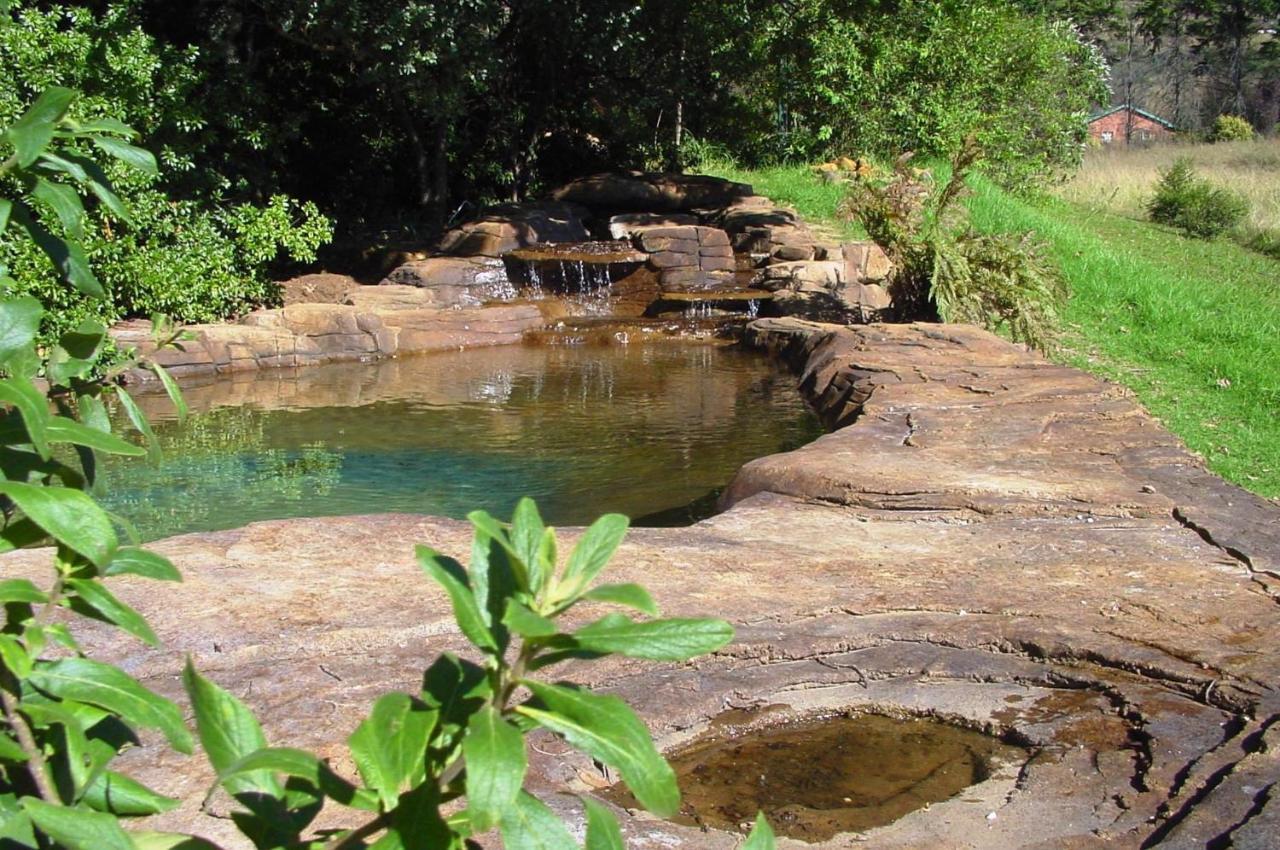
[(649, 431)]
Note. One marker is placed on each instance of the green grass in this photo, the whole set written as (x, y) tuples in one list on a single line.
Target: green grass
[(1192, 327)]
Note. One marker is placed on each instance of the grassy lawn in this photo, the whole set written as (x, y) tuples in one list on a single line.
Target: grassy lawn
[(1192, 327)]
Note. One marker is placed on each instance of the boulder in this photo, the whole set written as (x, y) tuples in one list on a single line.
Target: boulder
[(626, 225), (391, 296), (865, 261), (635, 191), (456, 281), (506, 227), (317, 289), (821, 291)]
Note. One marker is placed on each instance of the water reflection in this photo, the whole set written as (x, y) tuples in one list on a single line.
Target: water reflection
[(640, 429)]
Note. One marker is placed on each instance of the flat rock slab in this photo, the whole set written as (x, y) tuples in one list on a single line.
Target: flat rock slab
[(986, 538)]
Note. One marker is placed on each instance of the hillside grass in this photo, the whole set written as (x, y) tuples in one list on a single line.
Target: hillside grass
[(1192, 327), (1121, 179)]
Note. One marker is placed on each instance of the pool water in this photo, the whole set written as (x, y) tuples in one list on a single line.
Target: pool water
[(650, 431)]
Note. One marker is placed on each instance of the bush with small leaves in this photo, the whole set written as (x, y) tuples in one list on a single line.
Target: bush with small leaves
[(1231, 128), (1195, 206)]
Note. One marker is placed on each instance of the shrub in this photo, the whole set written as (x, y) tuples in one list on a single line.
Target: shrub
[(942, 269), (1195, 206), (1231, 128)]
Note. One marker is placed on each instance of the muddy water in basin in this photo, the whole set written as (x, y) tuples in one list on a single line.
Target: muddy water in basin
[(817, 778)]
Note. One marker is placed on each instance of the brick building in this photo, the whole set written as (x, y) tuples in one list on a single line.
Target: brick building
[(1128, 124)]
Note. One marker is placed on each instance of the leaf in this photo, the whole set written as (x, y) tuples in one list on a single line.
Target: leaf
[(63, 430), (76, 353), (416, 824), (32, 133), (389, 747), (118, 794), (65, 203), (140, 562), (496, 765), (139, 420), (106, 125), (92, 593), (169, 841), (655, 640), (110, 688), (761, 836), (76, 828), (525, 623), (6, 207), (590, 555), (111, 201), (457, 689), (228, 732), (631, 595), (603, 832), (135, 157), (527, 530), (450, 575), (22, 396), (15, 657), (530, 825), (68, 257), (19, 324), (303, 765), (69, 516), (10, 751), (21, 590), (171, 389), (605, 728)]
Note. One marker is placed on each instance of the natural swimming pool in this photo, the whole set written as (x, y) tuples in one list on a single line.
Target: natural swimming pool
[(650, 431)]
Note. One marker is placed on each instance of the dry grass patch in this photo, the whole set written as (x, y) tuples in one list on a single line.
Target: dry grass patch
[(1122, 179)]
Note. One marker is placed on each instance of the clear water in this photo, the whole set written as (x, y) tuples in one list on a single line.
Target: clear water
[(649, 431)]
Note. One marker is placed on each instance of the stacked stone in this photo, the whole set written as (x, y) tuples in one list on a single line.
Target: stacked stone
[(768, 233), (507, 227), (688, 258)]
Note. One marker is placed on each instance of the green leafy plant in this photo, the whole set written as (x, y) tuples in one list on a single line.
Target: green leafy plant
[(944, 269), (1231, 128), (1195, 206)]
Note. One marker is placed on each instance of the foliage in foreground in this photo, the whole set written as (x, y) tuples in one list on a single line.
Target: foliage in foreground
[(66, 716), (944, 269), (1193, 205)]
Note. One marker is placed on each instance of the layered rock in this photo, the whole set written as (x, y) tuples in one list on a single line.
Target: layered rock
[(455, 281), (507, 227), (688, 258), (822, 291)]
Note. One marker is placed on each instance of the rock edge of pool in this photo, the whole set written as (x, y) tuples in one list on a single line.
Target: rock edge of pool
[(984, 537)]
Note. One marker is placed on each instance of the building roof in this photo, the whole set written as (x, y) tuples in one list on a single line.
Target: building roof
[(1113, 110)]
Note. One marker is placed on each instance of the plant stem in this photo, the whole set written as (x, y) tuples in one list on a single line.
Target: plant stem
[(36, 765)]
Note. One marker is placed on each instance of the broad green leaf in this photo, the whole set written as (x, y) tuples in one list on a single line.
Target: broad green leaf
[(135, 157), (530, 825), (450, 575), (95, 595), (527, 529), (15, 656), (70, 165), (631, 595), (32, 133), (655, 640), (389, 747), (139, 420), (19, 323), (590, 555), (15, 826), (416, 824), (457, 689), (21, 590), (761, 836), (169, 841), (116, 793), (63, 430), (69, 516), (111, 688), (92, 412), (603, 832), (22, 395), (228, 732), (303, 765), (67, 256), (171, 389), (65, 203), (525, 623), (10, 751), (496, 764), (605, 728), (111, 201), (6, 207), (20, 534), (106, 125), (76, 353), (140, 562), (77, 828)]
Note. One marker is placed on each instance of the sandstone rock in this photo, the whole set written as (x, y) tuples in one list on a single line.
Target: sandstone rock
[(651, 192), (626, 225), (790, 253), (506, 227), (455, 281), (391, 296), (820, 291), (317, 288), (865, 261)]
